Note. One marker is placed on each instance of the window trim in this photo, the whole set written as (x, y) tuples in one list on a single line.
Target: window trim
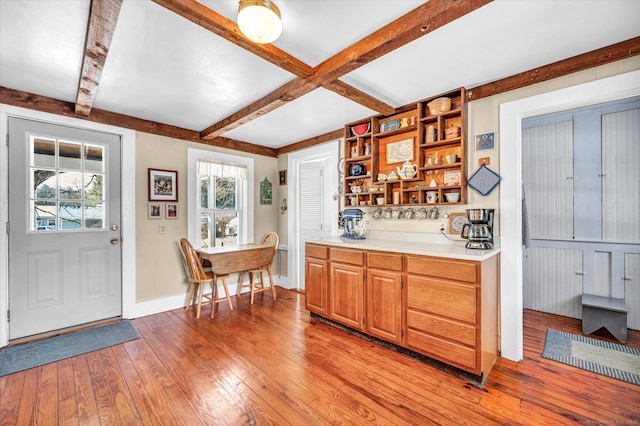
[(246, 217)]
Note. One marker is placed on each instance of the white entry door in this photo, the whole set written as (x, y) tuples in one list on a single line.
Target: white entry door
[(64, 221)]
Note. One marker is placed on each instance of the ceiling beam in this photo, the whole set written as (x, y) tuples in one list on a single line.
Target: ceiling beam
[(102, 23), (612, 53), (54, 106), (201, 15), (308, 143), (415, 24)]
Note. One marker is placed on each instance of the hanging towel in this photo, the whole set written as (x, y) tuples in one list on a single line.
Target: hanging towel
[(526, 236)]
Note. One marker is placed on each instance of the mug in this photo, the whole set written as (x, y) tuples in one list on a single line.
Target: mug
[(432, 197), (382, 177), (451, 158), (431, 134)]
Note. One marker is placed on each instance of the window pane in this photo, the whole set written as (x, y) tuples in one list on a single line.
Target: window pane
[(43, 152), (70, 185), (225, 193), (93, 187), (205, 199), (94, 215), (70, 156), (44, 215), (93, 158), (226, 228), (70, 215), (205, 230), (43, 183)]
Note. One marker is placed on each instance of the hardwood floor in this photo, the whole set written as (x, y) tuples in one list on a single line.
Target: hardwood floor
[(269, 364)]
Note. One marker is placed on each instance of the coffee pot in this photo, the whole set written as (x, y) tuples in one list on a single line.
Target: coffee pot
[(479, 230)]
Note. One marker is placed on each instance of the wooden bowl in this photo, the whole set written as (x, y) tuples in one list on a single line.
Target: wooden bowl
[(439, 105)]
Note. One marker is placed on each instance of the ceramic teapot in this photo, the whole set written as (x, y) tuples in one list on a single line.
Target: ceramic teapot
[(408, 170)]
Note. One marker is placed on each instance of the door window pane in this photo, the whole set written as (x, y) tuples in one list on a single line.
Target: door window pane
[(67, 185), (69, 157)]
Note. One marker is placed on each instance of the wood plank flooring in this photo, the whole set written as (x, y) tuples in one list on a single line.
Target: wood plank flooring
[(267, 363)]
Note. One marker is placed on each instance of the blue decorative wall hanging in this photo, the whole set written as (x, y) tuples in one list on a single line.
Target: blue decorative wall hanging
[(484, 180)]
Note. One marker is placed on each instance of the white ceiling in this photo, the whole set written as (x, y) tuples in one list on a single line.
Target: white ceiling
[(164, 68)]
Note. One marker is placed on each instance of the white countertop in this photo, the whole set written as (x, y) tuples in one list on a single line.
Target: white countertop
[(453, 249)]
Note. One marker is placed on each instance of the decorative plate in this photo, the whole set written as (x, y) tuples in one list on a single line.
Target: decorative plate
[(457, 222), (341, 166), (390, 125)]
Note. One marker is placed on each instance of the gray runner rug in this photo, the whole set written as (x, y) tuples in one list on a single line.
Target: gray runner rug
[(601, 357), (41, 352)]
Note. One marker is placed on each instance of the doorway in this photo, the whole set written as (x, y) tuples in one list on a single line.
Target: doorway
[(64, 216), (511, 116), (312, 210)]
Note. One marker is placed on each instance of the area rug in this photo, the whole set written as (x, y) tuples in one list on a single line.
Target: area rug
[(609, 359), (41, 352)]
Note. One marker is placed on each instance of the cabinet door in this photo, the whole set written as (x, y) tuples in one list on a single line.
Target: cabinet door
[(383, 316), (346, 294), (316, 285)]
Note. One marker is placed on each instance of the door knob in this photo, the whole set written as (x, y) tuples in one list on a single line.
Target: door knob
[(114, 241), (114, 227)]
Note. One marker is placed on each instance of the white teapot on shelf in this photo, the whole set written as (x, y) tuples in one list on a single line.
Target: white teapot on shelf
[(408, 170)]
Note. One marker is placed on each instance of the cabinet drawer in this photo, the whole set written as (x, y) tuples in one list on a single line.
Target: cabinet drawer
[(314, 250), (353, 257), (462, 333), (458, 270), (387, 261), (444, 298), (449, 352)]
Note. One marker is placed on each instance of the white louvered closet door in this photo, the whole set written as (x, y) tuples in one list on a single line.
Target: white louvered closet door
[(311, 206)]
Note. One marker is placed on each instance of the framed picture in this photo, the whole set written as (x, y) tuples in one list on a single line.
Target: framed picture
[(401, 151), (163, 185), (452, 178), (155, 210), (485, 142), (283, 177), (171, 211)]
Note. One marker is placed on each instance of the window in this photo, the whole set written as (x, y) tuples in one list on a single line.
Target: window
[(68, 181), (222, 191)]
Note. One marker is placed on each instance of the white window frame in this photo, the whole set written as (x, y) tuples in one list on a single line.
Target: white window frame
[(245, 216)]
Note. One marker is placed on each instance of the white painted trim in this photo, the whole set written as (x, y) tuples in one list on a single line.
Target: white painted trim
[(511, 116), (128, 222), (330, 149)]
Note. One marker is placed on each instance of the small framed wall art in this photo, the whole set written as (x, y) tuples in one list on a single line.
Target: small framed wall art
[(163, 185), (485, 142), (266, 192), (282, 177), (155, 210), (171, 211)]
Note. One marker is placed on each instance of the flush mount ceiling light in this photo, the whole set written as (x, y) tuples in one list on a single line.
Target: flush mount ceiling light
[(259, 20)]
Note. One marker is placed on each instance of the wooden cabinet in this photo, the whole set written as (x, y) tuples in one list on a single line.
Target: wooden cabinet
[(316, 275), (383, 316), (435, 143), (346, 287), (447, 309), (446, 319)]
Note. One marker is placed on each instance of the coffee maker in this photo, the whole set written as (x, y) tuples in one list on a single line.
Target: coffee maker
[(354, 226), (479, 230)]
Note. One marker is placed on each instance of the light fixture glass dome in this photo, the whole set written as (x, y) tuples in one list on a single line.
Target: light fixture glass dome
[(259, 20)]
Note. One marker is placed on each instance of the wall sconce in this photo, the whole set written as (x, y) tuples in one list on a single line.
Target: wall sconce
[(283, 206)]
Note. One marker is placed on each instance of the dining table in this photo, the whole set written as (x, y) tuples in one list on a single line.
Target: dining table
[(227, 260)]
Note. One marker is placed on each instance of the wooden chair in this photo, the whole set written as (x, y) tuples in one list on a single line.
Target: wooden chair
[(269, 240), (198, 278)]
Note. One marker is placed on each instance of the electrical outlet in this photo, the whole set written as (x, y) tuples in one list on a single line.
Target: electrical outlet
[(442, 227), (162, 229)]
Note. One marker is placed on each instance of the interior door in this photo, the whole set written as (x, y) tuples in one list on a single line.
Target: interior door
[(64, 219)]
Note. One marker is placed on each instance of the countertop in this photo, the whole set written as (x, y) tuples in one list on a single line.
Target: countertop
[(453, 250)]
